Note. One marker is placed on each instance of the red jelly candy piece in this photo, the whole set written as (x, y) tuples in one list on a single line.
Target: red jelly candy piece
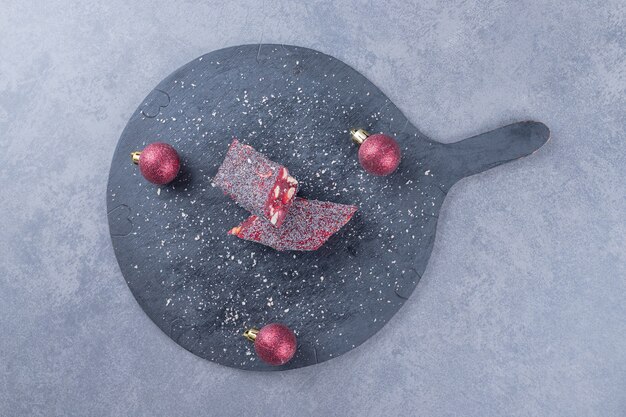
[(257, 184), (310, 223)]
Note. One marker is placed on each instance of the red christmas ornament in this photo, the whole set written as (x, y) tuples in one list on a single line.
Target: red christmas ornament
[(378, 154), (275, 343), (159, 163)]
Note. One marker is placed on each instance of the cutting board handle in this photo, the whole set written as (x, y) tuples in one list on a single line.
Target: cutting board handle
[(490, 149)]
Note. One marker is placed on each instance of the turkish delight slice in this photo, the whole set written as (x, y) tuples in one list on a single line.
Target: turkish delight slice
[(259, 185), (310, 223)]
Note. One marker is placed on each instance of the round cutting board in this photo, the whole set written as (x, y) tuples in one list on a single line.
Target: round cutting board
[(202, 287)]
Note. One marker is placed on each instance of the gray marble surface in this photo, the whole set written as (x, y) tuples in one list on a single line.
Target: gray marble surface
[(522, 309)]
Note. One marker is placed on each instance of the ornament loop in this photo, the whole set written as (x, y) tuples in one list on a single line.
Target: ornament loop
[(250, 334), (135, 157), (358, 135)]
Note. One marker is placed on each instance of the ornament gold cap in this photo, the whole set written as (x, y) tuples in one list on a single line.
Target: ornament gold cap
[(135, 157), (250, 334), (358, 135)]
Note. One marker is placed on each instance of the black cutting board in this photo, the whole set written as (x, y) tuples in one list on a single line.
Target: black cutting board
[(202, 287)]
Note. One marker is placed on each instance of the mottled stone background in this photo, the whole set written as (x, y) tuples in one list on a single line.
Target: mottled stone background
[(522, 310)]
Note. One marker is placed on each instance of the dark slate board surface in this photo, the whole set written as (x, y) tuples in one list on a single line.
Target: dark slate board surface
[(296, 105)]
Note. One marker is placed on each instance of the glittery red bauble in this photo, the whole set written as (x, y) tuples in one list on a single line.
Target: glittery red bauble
[(379, 154), (275, 344), (159, 163)]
